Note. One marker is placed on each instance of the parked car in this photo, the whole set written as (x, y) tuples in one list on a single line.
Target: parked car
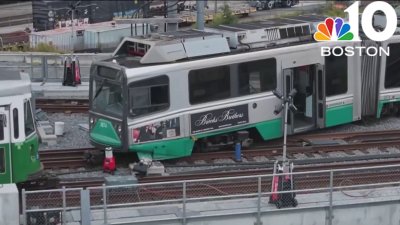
[(270, 4)]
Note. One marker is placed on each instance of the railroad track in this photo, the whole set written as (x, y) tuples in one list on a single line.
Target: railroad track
[(246, 184), (360, 141), (63, 105), (266, 169), (65, 158), (348, 143)]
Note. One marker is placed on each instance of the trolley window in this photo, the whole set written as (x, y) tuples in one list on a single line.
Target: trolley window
[(257, 76), (2, 161), (107, 97), (149, 96), (15, 122), (336, 75), (29, 125), (209, 84), (109, 73), (392, 74), (2, 125)]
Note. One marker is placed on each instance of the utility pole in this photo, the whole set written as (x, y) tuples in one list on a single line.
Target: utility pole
[(172, 12), (215, 7), (72, 8), (287, 104), (200, 14), (72, 32)]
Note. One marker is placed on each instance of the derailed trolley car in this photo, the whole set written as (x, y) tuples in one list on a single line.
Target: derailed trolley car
[(19, 157), (165, 95)]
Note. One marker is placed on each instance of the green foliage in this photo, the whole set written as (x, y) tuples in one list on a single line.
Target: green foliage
[(226, 17), (290, 14), (332, 11), (44, 47), (41, 47)]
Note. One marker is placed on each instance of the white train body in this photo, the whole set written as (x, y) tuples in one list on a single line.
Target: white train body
[(199, 94)]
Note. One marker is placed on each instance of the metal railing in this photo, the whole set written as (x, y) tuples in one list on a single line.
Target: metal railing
[(326, 188), (46, 67), (49, 206)]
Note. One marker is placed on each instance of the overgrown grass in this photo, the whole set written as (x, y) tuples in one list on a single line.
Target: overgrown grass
[(44, 47), (332, 10), (225, 17), (41, 47)]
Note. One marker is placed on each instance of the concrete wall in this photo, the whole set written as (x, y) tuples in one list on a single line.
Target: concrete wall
[(360, 214)]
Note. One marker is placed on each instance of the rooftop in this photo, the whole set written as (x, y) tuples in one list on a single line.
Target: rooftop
[(99, 27)]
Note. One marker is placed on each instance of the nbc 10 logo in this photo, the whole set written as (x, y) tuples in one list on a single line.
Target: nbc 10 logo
[(339, 30)]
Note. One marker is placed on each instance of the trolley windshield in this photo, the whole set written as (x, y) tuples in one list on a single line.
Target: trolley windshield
[(107, 92)]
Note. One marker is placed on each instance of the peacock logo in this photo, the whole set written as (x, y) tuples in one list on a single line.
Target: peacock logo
[(333, 30)]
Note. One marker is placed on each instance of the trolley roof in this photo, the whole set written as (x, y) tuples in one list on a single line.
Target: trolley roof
[(14, 83), (176, 46)]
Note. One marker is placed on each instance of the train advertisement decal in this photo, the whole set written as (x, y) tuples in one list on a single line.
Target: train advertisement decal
[(157, 131), (220, 118)]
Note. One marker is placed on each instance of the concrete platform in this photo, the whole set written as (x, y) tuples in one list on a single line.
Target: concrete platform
[(356, 207), (55, 90), (9, 204)]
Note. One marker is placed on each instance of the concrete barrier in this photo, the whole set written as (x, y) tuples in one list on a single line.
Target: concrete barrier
[(9, 204)]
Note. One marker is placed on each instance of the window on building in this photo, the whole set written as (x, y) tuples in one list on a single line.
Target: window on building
[(392, 74), (336, 75), (16, 123), (209, 84), (149, 96), (29, 124), (257, 76)]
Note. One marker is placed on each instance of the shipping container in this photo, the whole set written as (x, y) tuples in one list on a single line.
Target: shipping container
[(99, 36), (107, 38)]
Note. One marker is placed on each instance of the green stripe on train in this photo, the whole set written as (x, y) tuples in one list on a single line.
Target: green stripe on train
[(24, 160), (181, 147), (104, 132), (339, 115)]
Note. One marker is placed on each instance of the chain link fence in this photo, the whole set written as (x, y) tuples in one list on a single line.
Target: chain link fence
[(258, 194), (49, 207)]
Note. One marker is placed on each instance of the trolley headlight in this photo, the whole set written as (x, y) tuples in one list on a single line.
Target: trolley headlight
[(119, 129), (92, 121)]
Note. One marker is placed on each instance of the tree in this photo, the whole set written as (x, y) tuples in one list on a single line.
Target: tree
[(225, 17)]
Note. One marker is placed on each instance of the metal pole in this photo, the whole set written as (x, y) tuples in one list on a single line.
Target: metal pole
[(165, 15), (23, 196), (172, 12), (184, 203), (215, 7), (135, 29), (259, 203), (330, 197), (64, 204), (72, 32), (31, 67), (285, 132), (200, 14), (105, 204)]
